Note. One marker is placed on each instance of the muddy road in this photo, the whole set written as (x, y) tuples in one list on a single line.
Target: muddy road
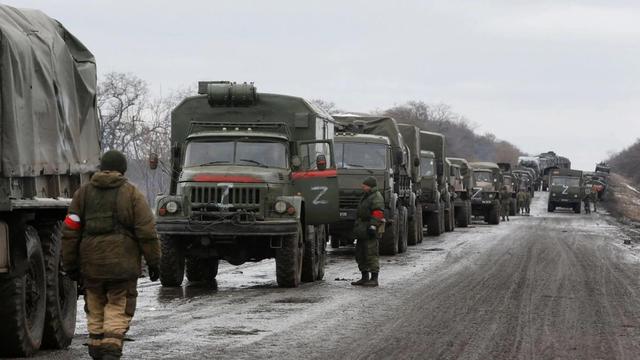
[(547, 286)]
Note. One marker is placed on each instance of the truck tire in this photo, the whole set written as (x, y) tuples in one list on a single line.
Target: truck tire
[(412, 224), (551, 207), (389, 242), (403, 230), (289, 260), (196, 269), (335, 242), (577, 208), (512, 207), (494, 214), (23, 300), (62, 292), (434, 224), (419, 224), (311, 258), (462, 216), (171, 263), (321, 236)]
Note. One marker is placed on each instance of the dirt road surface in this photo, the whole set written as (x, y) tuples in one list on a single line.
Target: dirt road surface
[(547, 286)]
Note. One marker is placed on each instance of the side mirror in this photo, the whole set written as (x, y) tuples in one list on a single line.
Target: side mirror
[(440, 169), (153, 161), (416, 162), (398, 156)]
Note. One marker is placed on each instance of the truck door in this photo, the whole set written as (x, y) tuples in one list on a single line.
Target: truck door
[(316, 180)]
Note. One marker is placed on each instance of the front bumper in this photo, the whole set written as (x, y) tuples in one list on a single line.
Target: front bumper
[(227, 228)]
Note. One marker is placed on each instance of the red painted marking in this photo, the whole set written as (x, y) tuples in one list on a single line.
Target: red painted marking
[(227, 179), (378, 214), (314, 174), (71, 224)]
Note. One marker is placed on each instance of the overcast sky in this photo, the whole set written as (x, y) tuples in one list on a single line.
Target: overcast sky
[(545, 75)]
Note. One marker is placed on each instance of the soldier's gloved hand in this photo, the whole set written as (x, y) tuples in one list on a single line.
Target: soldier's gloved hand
[(154, 272), (371, 231)]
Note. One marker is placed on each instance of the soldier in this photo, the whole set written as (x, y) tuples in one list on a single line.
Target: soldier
[(108, 225), (370, 218), (587, 200), (521, 199), (505, 202), (527, 201)]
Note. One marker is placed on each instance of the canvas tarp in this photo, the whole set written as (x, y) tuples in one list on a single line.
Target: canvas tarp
[(48, 117)]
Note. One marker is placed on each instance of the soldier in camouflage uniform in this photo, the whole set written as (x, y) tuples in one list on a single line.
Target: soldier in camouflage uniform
[(594, 197), (505, 202), (108, 227), (521, 199), (370, 217), (527, 201)]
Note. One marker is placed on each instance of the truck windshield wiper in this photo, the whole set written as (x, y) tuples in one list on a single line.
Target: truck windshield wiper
[(254, 162), (215, 162), (355, 165)]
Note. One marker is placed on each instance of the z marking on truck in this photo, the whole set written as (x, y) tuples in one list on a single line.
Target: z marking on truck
[(322, 190)]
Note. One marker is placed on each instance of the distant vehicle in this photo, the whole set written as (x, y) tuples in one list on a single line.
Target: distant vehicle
[(438, 209), (566, 190), (50, 147), (509, 180), (254, 177), (461, 185), (485, 200)]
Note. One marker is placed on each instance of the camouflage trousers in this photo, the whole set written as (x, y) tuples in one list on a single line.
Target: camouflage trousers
[(367, 255), (109, 306)]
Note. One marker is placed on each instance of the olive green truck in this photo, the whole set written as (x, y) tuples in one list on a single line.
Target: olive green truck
[(374, 146), (253, 177), (49, 148)]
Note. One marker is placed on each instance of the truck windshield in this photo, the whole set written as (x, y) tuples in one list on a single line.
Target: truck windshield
[(564, 180), (483, 176), (427, 167), (361, 156), (236, 152)]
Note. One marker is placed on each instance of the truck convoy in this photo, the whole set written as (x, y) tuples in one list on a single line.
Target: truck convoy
[(254, 177), (436, 200), (374, 146), (485, 200), (49, 148), (566, 190), (510, 181), (461, 185)]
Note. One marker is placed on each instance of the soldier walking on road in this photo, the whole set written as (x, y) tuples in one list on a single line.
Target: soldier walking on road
[(521, 199), (108, 226), (370, 219), (594, 197), (587, 200), (527, 201), (505, 202)]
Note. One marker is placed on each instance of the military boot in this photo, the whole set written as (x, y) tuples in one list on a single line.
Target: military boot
[(373, 282), (365, 278), (95, 352), (111, 352)]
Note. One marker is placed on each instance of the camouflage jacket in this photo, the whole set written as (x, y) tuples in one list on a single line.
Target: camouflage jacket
[(370, 212), (115, 254)]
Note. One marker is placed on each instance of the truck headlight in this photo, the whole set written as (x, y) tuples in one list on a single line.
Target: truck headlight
[(280, 207), (490, 196), (172, 207), (575, 195)]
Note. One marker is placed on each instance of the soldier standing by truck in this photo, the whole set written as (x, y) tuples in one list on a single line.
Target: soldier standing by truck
[(109, 224), (505, 200), (527, 201), (594, 197), (522, 199), (367, 229)]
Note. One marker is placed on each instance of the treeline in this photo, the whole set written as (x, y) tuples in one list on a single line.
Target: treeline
[(627, 162), (462, 140)]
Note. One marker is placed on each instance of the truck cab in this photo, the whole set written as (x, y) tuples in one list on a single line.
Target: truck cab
[(462, 183), (485, 200), (565, 190)]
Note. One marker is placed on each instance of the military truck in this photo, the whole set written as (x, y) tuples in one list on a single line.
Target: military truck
[(485, 200), (461, 185), (601, 179), (49, 148), (437, 207), (524, 179), (565, 190), (509, 180), (254, 177), (411, 136), (373, 146), (533, 163)]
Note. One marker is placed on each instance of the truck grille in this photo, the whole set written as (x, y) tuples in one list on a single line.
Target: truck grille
[(349, 201), (226, 196)]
